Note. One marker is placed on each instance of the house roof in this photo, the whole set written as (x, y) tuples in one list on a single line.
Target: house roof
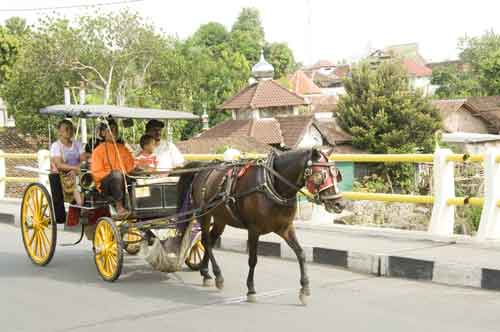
[(213, 145), (418, 70), (448, 106), (488, 108), (322, 63), (337, 134), (293, 128), (461, 137), (323, 103), (263, 94), (288, 131), (303, 84), (266, 130)]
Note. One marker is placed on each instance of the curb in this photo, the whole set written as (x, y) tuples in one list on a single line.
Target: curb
[(381, 265)]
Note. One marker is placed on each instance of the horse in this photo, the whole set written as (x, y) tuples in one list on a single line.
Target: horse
[(259, 196)]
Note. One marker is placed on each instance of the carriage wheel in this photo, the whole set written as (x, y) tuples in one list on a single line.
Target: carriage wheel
[(132, 236), (38, 225), (195, 256), (108, 254)]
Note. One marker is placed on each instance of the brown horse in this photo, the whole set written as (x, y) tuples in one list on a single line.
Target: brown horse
[(259, 197)]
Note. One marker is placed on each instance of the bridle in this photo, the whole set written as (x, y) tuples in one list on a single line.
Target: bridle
[(320, 176)]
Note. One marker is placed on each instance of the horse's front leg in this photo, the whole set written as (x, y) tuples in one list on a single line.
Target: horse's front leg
[(253, 241), (207, 239), (290, 236)]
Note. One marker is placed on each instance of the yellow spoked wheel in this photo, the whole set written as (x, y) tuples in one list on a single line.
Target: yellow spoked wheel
[(38, 226), (195, 256), (134, 239), (108, 254)]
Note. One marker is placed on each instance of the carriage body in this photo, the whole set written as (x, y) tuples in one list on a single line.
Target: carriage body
[(152, 201)]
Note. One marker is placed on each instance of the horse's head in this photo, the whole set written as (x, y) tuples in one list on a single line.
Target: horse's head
[(321, 179)]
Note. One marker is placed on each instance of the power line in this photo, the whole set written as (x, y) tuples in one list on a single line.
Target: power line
[(70, 7)]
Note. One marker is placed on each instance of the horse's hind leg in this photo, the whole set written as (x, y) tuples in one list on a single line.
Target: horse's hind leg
[(208, 243), (290, 237), (253, 241)]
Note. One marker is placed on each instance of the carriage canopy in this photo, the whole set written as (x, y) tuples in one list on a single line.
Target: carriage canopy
[(97, 111)]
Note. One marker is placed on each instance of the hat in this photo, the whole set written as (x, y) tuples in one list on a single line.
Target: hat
[(154, 124)]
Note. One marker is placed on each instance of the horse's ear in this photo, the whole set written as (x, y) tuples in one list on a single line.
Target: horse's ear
[(328, 150)]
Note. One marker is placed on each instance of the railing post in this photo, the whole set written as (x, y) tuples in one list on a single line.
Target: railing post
[(3, 174), (43, 165), (443, 215), (489, 227)]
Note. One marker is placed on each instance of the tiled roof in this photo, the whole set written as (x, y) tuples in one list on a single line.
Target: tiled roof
[(416, 69), (323, 103), (487, 108), (448, 106), (265, 130), (293, 128), (263, 94), (322, 64), (213, 145), (303, 85), (335, 133)]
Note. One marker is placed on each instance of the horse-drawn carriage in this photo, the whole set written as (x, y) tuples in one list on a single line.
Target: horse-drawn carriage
[(257, 195), (151, 198)]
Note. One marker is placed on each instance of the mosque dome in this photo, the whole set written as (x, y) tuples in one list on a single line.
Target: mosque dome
[(263, 69)]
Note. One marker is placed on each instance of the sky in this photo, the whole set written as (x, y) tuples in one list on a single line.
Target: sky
[(338, 29)]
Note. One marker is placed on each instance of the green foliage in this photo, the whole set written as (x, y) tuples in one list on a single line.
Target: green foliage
[(454, 83), (483, 55), (122, 59), (371, 184), (385, 115), (281, 57), (481, 75)]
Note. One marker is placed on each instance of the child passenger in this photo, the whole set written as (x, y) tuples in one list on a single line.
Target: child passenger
[(146, 159)]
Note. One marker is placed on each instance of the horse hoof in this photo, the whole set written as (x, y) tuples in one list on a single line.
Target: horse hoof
[(251, 298), (304, 297), (219, 283), (208, 282)]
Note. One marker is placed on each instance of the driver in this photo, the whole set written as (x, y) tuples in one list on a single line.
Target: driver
[(111, 161)]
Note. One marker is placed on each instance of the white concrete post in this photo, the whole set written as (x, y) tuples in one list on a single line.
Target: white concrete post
[(83, 123), (489, 226), (443, 215), (3, 174), (67, 96), (44, 166)]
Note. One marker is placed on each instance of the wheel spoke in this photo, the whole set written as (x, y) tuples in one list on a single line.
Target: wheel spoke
[(45, 240), (38, 250)]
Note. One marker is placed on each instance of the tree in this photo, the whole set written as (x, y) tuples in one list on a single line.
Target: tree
[(281, 57), (483, 55), (385, 115), (111, 53), (8, 51), (247, 34), (213, 36), (454, 83)]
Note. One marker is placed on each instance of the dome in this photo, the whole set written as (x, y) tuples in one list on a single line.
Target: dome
[(263, 69)]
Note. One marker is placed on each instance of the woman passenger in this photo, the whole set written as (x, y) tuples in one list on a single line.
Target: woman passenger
[(66, 154)]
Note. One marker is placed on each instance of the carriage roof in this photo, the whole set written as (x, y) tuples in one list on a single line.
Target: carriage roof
[(96, 111)]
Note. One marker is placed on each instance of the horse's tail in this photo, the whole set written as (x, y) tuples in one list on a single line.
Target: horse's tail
[(184, 187)]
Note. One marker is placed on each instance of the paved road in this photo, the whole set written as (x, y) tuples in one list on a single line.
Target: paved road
[(68, 295)]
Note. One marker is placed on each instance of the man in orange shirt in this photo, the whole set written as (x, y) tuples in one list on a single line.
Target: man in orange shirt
[(111, 161)]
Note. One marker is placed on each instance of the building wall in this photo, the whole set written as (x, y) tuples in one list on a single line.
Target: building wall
[(311, 138), (463, 121)]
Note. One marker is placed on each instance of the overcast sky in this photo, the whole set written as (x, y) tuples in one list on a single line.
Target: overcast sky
[(339, 29)]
